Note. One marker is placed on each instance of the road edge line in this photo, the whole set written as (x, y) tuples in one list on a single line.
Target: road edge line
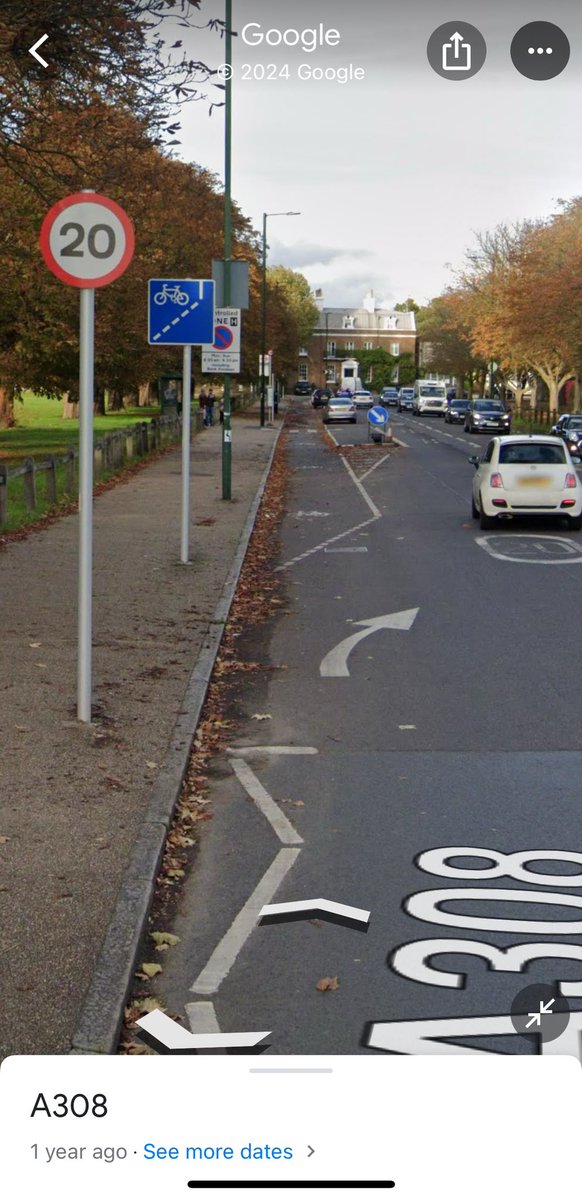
[(101, 1015)]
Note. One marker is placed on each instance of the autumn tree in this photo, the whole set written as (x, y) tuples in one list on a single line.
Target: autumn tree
[(527, 309), (122, 52), (444, 328)]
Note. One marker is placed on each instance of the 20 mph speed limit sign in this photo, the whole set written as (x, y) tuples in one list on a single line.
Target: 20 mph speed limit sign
[(87, 240)]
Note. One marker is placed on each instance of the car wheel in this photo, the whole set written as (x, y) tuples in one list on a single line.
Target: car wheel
[(575, 523), (486, 522), (474, 510)]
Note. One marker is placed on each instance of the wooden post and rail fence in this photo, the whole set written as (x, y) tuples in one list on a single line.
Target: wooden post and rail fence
[(112, 452)]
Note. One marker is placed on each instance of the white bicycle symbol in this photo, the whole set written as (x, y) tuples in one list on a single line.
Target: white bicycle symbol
[(171, 293)]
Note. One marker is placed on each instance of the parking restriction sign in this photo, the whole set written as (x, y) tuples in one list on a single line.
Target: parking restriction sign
[(223, 356)]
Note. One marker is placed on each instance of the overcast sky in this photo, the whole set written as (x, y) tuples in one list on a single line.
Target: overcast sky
[(392, 174)]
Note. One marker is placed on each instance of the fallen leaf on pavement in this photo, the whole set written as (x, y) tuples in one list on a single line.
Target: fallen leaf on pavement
[(151, 765), (261, 717), (165, 939), (3, 840), (151, 969), (34, 645), (329, 984)]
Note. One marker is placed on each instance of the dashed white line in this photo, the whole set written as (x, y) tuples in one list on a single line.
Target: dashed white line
[(322, 545), (186, 312), (224, 956), (265, 803)]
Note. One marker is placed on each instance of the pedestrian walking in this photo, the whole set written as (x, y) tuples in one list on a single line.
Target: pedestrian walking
[(203, 402), (210, 406)]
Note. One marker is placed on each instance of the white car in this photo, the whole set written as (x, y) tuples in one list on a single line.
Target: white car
[(526, 476), (363, 399)]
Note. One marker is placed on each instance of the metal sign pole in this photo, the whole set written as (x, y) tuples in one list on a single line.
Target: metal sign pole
[(86, 391), (227, 403), (186, 398)]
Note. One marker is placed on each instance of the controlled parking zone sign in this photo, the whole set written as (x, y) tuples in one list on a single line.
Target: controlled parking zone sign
[(87, 240), (223, 357)]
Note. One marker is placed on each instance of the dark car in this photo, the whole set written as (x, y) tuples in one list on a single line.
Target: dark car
[(570, 429), (456, 412), (320, 397), (389, 396), (406, 399), (303, 388), (484, 415)]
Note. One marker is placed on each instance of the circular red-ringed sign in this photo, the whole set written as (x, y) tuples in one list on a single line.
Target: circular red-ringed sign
[(87, 240)]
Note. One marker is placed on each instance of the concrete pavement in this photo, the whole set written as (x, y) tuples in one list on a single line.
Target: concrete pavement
[(74, 797)]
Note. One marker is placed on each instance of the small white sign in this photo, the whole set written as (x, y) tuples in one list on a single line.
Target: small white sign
[(223, 356)]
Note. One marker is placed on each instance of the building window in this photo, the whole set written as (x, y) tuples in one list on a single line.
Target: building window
[(368, 345), (331, 349), (303, 352), (395, 349), (348, 322), (303, 372), (350, 345)]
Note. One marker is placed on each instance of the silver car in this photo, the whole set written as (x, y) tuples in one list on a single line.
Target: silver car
[(340, 408)]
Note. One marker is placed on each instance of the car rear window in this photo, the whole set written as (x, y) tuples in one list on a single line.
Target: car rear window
[(532, 452)]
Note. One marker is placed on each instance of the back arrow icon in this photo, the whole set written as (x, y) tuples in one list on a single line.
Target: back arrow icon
[(33, 50)]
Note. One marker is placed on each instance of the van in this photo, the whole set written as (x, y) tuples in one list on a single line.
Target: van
[(429, 397)]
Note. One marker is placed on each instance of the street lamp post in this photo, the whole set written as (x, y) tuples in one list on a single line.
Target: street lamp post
[(264, 305)]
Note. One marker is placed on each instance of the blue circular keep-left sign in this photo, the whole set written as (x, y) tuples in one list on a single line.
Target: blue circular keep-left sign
[(378, 415), (223, 337)]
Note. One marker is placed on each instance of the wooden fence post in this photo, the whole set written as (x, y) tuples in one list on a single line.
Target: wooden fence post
[(3, 494), (70, 471), (30, 483), (129, 445), (51, 480)]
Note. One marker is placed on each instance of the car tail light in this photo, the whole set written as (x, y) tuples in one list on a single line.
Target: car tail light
[(571, 480), (496, 480), (567, 503)]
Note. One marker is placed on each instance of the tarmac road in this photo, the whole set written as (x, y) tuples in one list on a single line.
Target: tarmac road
[(460, 731)]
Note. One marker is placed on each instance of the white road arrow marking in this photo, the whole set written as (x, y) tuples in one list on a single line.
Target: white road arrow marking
[(327, 910), (33, 50), (173, 1037), (335, 664)]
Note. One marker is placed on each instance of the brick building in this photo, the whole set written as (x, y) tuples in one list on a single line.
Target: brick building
[(341, 332)]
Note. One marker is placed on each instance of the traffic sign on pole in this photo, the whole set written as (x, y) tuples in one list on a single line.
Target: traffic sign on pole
[(224, 356), (87, 241), (181, 312)]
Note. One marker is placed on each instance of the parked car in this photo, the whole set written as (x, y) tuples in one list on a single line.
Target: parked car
[(526, 476), (406, 399), (320, 397), (389, 397), (363, 398), (570, 429), (483, 415), (340, 408), (456, 412), (303, 388)]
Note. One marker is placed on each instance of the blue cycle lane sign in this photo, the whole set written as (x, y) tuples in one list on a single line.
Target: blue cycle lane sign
[(180, 312)]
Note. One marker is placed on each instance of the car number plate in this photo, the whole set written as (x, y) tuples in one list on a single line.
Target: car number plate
[(534, 481)]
